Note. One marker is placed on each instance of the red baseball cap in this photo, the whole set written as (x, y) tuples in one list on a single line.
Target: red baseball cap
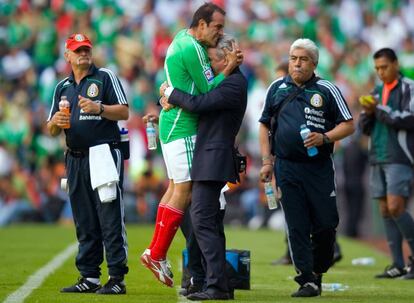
[(77, 40)]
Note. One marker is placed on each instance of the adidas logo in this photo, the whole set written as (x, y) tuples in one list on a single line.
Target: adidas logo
[(116, 289), (333, 194), (82, 287)]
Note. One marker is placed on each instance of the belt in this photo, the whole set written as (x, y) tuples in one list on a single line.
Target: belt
[(78, 153), (81, 153)]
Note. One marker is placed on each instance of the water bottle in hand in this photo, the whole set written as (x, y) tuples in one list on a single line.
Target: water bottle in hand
[(151, 136), (64, 106), (304, 133), (270, 195)]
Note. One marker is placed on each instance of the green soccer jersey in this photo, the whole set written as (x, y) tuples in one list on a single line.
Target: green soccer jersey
[(187, 68)]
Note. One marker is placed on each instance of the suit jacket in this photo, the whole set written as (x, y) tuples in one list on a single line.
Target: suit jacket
[(221, 113)]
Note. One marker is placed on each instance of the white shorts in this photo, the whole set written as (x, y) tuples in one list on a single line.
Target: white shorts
[(178, 157)]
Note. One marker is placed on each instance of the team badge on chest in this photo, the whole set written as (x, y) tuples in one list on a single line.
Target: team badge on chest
[(316, 100), (93, 90)]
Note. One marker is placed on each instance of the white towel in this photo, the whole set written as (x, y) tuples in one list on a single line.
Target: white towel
[(222, 198), (102, 168)]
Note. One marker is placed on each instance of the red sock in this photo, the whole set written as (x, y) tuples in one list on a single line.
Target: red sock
[(160, 212), (171, 221)]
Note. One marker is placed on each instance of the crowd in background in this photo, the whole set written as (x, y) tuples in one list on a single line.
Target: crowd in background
[(131, 37)]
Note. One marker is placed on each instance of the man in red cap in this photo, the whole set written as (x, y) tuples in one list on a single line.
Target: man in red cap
[(96, 102), (77, 40)]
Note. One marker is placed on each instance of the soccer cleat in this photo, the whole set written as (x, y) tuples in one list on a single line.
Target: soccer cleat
[(309, 289), (161, 269), (391, 272), (114, 286), (82, 286)]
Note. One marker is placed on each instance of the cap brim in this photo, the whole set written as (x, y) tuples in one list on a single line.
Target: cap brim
[(78, 45)]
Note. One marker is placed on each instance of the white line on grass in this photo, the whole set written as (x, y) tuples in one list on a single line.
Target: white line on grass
[(181, 299), (35, 280)]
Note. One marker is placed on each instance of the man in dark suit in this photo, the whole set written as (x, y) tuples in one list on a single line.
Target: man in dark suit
[(221, 114)]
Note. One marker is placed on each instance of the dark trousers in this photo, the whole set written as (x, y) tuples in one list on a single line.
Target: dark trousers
[(309, 204), (98, 225), (195, 263), (208, 228)]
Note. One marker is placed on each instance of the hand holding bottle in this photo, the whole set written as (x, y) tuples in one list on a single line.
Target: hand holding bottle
[(270, 195), (311, 148), (64, 107), (151, 136)]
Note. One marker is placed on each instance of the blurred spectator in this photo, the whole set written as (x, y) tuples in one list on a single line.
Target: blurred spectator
[(355, 159), (149, 190), (132, 37), (406, 57)]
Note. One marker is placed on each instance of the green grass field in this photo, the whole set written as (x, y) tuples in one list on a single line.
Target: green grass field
[(26, 248)]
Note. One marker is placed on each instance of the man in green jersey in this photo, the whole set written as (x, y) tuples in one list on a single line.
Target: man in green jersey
[(187, 68)]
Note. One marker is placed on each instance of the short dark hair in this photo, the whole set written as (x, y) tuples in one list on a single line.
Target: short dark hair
[(283, 66), (385, 53), (206, 12)]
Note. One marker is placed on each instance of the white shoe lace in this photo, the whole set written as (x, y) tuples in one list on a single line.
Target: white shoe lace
[(166, 268)]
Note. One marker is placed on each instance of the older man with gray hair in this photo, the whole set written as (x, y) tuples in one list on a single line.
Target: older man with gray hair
[(221, 113), (309, 114)]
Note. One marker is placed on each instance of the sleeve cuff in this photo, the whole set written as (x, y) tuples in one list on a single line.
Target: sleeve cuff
[(220, 77), (168, 91)]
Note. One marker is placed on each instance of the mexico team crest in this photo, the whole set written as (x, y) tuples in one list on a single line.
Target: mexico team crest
[(79, 37), (208, 73), (316, 100), (93, 90)]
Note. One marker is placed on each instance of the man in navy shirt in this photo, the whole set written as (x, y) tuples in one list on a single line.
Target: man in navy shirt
[(307, 183), (97, 101)]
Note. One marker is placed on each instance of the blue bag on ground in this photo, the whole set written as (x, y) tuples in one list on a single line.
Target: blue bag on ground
[(237, 267)]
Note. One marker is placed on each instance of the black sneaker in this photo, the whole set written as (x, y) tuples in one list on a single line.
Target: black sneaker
[(391, 272), (114, 286), (410, 270), (82, 286), (309, 289), (193, 288)]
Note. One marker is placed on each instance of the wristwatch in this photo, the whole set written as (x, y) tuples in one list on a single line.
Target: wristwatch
[(101, 109), (326, 139)]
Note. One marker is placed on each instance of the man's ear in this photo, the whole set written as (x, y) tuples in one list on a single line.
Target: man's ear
[(202, 23), (66, 55)]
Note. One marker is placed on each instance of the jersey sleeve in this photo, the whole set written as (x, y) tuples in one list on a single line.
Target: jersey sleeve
[(114, 92), (339, 106), (198, 66)]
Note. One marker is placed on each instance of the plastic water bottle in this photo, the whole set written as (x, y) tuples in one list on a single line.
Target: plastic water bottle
[(334, 287), (304, 133), (64, 106), (64, 185), (124, 146), (151, 136), (365, 261), (270, 195)]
